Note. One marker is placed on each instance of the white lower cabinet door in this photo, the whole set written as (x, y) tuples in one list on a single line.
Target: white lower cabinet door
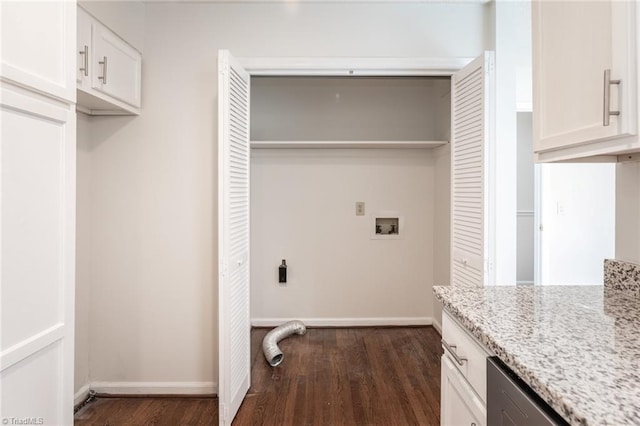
[(37, 277), (460, 406)]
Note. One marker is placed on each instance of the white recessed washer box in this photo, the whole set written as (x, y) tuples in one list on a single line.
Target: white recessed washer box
[(387, 225)]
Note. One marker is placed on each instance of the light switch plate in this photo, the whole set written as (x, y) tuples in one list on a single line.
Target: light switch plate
[(359, 208)]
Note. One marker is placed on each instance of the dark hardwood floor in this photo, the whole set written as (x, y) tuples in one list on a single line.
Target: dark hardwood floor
[(169, 411), (343, 376)]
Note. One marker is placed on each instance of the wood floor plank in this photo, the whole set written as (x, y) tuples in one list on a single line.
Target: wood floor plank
[(168, 411), (356, 376)]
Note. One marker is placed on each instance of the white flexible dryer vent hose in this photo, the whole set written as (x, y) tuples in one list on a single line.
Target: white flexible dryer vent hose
[(272, 352)]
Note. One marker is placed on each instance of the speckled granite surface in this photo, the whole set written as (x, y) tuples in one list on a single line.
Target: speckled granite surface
[(619, 275), (578, 348)]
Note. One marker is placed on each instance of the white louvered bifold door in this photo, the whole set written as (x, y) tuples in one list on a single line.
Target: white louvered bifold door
[(233, 236), (471, 172)]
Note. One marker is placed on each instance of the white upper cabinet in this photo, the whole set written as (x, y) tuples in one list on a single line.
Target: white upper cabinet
[(109, 70), (584, 79), (118, 67), (37, 39), (83, 42)]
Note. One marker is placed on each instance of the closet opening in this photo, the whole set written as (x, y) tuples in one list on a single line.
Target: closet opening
[(320, 146), (303, 164)]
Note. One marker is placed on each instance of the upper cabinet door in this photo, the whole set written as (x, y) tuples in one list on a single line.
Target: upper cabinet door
[(584, 83), (84, 47), (37, 39), (118, 66)]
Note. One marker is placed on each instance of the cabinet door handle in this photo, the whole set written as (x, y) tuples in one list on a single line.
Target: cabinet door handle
[(103, 62), (607, 98), (452, 350), (85, 60)]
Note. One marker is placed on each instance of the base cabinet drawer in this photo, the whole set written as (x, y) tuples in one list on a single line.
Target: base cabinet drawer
[(471, 357), (460, 406)]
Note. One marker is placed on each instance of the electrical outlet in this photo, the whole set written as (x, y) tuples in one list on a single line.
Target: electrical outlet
[(359, 208)]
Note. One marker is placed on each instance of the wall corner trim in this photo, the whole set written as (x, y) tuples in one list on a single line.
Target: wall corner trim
[(438, 327), (82, 394)]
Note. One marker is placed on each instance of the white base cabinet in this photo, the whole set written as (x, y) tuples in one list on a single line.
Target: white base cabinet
[(463, 374), (109, 70), (460, 404)]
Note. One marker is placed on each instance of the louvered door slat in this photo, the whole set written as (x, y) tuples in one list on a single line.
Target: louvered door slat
[(468, 84), (233, 234), (470, 174), (469, 91), (469, 157), (469, 108), (469, 134)]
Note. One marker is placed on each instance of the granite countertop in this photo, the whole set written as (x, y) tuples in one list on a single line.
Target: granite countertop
[(578, 347)]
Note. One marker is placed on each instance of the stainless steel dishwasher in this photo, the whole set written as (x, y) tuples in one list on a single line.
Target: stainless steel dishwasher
[(511, 402)]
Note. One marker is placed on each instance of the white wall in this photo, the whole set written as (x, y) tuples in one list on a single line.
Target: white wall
[(578, 220), (442, 222), (525, 201), (512, 42), (442, 209), (125, 18), (153, 177), (628, 212), (152, 257), (83, 250), (303, 210)]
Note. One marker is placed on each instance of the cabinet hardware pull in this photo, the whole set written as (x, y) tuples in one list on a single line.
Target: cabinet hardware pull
[(452, 350), (103, 62), (85, 60), (607, 97)]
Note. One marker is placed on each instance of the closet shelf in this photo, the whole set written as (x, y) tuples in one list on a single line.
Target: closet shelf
[(347, 144)]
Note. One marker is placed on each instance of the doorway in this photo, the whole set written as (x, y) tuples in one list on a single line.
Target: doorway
[(577, 215), (234, 148), (566, 217)]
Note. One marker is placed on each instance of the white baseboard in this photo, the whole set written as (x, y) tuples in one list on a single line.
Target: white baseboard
[(345, 322), (156, 388), (81, 395)]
